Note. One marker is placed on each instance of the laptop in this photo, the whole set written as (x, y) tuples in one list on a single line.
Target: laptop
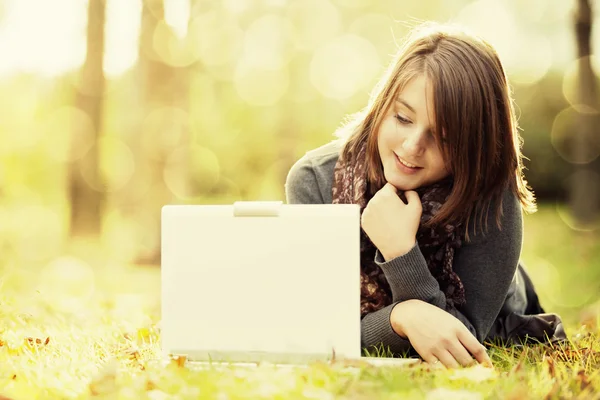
[(254, 282)]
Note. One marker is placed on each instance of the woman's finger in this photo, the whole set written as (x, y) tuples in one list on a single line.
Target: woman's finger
[(461, 354), (447, 359), (474, 347), (432, 360)]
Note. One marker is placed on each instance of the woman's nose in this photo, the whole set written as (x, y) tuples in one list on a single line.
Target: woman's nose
[(413, 143)]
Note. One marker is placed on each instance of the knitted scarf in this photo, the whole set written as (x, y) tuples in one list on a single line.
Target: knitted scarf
[(437, 243)]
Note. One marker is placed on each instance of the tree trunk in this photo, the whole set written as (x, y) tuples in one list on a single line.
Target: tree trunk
[(585, 196), (161, 85), (85, 181)]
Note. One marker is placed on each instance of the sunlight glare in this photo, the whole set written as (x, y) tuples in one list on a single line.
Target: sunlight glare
[(36, 42), (491, 20)]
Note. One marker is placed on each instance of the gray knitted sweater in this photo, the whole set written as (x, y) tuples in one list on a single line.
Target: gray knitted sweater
[(487, 265)]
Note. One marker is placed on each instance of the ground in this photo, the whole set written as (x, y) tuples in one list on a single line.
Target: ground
[(71, 330)]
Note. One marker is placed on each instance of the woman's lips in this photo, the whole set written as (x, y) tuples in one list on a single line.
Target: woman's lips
[(404, 168)]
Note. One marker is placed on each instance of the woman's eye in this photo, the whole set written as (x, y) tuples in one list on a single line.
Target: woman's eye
[(401, 119)]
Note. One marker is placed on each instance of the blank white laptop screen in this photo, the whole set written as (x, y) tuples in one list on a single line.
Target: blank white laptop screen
[(257, 281)]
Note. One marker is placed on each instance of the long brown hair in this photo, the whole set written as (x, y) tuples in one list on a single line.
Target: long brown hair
[(474, 112)]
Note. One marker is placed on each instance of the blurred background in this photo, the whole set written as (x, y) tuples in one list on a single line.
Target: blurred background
[(110, 109)]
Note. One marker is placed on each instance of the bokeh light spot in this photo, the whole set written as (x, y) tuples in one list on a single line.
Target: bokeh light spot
[(173, 50), (568, 128), (68, 134), (177, 15), (314, 22), (531, 61), (570, 85), (591, 179), (494, 23), (115, 167), (219, 39), (116, 163), (344, 66), (260, 87), (163, 130), (266, 44), (191, 171), (377, 29)]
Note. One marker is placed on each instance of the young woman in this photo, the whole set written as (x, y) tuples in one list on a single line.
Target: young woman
[(434, 162)]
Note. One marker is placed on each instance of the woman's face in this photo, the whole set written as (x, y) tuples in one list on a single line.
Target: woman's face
[(410, 155)]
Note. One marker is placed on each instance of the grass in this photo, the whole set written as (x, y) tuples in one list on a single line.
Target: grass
[(74, 331)]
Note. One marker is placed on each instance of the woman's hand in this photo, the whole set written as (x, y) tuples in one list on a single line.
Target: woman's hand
[(390, 223), (437, 335)]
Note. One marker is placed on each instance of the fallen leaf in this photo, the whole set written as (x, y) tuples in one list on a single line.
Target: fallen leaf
[(583, 379), (551, 367), (178, 361), (35, 343)]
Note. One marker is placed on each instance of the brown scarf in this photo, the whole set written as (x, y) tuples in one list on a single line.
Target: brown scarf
[(437, 243)]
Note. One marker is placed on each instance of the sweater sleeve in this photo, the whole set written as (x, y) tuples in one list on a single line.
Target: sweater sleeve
[(486, 266), (301, 187)]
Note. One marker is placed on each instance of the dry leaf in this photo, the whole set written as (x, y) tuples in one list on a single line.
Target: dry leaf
[(583, 379), (178, 361), (551, 367), (35, 343)]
